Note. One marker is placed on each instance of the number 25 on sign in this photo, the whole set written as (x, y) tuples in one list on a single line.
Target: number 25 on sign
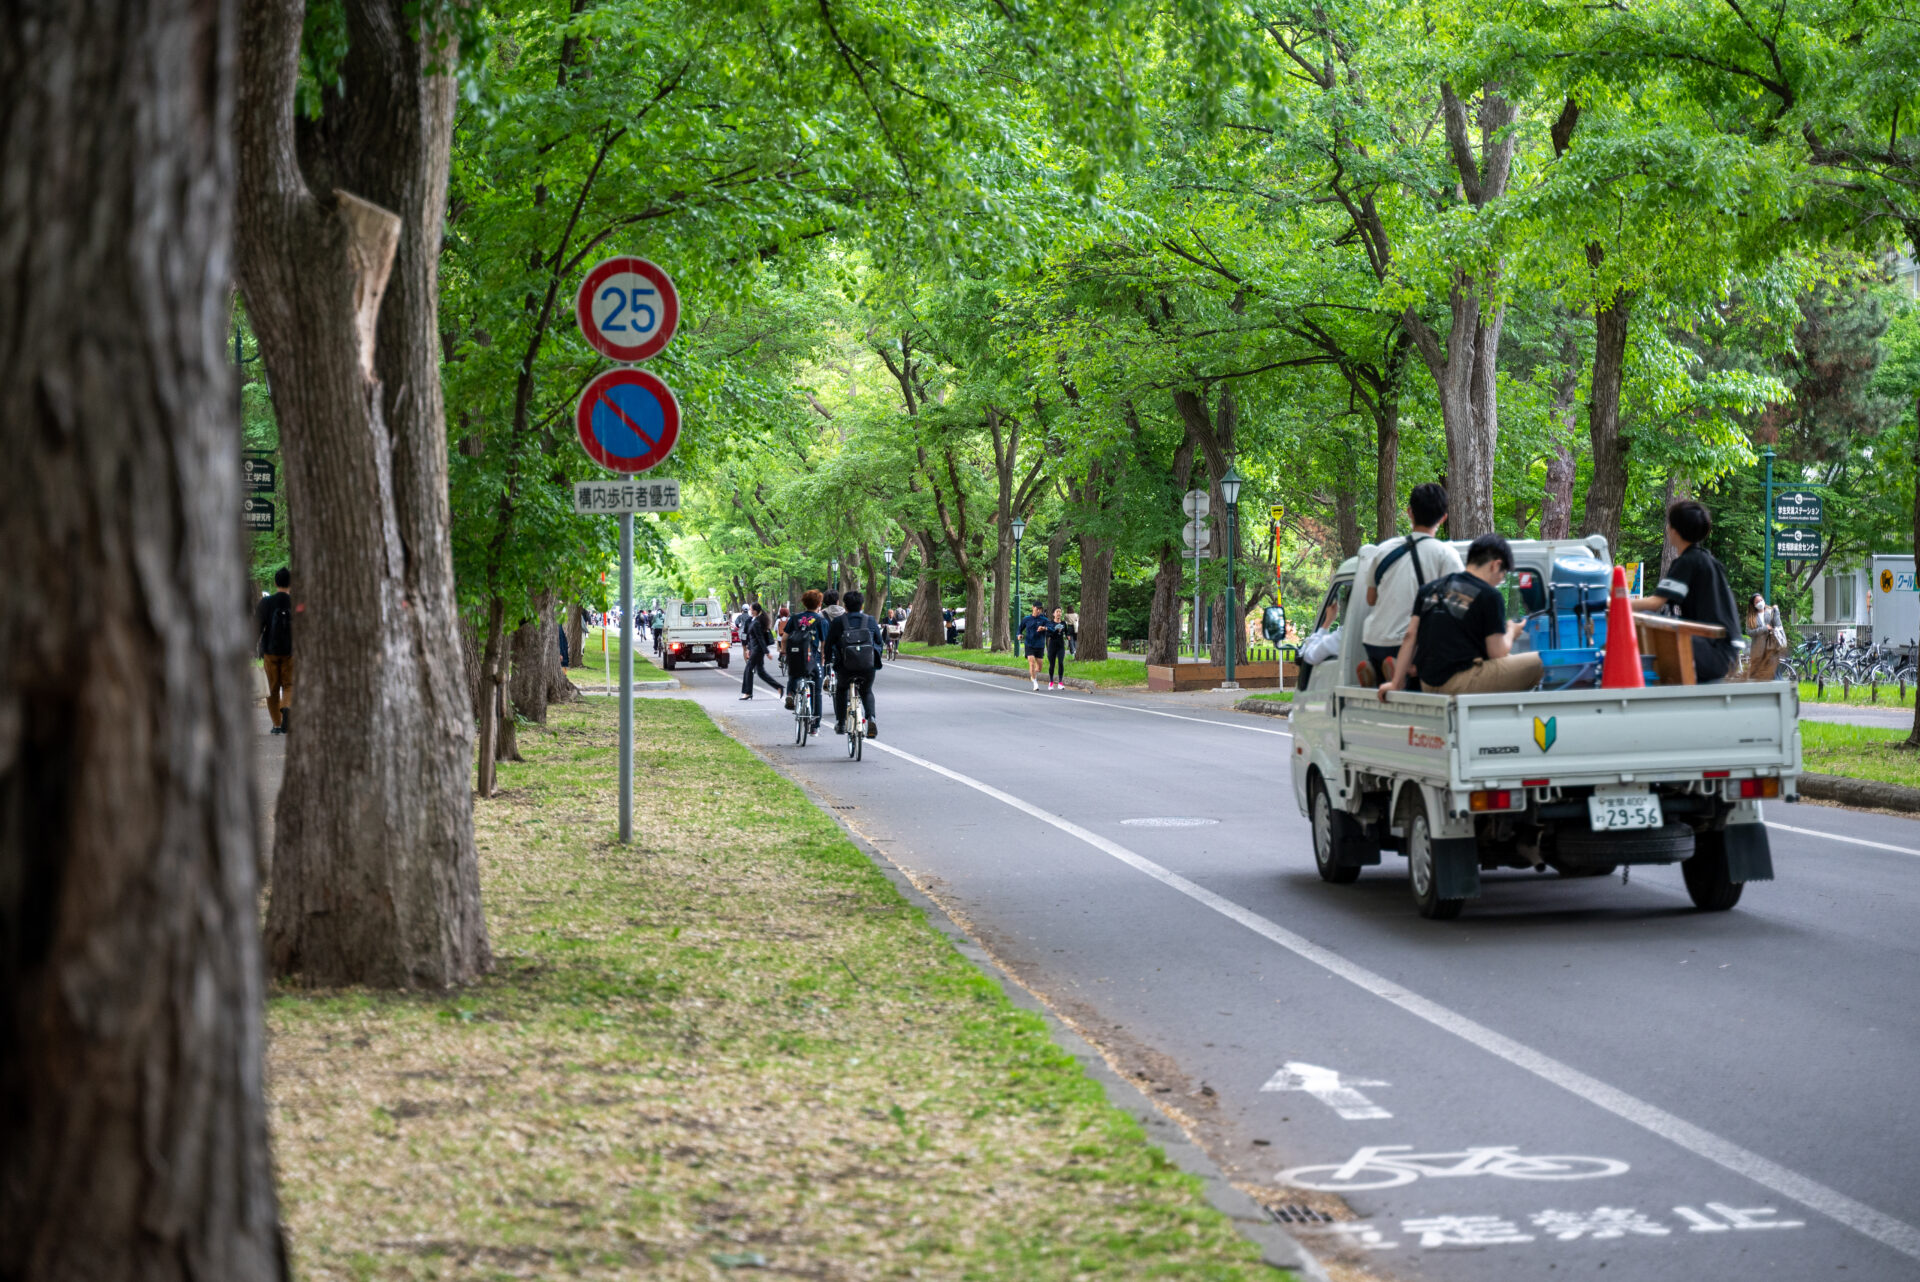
[(628, 309)]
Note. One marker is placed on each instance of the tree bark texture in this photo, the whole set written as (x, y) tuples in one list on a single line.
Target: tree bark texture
[(1464, 367), (1386, 476), (1556, 499), (924, 624), (375, 879), (527, 678), (133, 1126), (1096, 587), (1056, 544), (1607, 486)]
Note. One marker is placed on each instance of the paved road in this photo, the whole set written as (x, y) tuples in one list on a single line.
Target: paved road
[(1732, 1095)]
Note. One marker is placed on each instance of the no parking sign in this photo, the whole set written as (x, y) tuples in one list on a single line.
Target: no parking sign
[(628, 420)]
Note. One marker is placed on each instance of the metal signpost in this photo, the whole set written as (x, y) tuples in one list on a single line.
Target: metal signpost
[(1789, 508), (1196, 505), (628, 422)]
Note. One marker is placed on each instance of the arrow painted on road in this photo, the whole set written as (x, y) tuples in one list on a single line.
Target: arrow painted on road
[(1327, 1086)]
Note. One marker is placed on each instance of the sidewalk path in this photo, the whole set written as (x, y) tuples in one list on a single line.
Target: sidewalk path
[(1851, 714)]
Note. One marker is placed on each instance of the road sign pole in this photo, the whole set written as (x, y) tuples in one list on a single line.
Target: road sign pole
[(626, 678), (1766, 585)]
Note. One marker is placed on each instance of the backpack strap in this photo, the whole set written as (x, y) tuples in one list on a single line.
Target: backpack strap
[(1386, 562)]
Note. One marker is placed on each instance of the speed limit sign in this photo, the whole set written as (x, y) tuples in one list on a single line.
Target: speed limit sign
[(628, 309)]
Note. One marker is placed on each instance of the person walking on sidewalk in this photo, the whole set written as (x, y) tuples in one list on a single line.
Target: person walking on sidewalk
[(1057, 652), (273, 618), (1769, 639), (1396, 571), (759, 640), (1034, 630)]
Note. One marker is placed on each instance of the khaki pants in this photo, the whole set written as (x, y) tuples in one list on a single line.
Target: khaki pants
[(279, 669), (1493, 676)]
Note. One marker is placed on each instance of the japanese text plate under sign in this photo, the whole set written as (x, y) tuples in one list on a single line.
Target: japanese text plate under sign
[(626, 496), (628, 420), (256, 475), (1796, 545), (256, 515), (1797, 507), (627, 309)]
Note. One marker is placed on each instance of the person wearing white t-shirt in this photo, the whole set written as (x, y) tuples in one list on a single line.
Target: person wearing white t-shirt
[(1395, 571)]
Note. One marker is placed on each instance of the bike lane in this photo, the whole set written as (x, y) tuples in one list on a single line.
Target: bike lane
[(1210, 1012)]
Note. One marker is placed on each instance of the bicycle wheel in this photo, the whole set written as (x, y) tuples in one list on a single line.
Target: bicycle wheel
[(1366, 1177), (1558, 1168)]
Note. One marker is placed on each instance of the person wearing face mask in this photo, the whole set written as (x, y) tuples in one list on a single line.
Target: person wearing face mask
[(1695, 587)]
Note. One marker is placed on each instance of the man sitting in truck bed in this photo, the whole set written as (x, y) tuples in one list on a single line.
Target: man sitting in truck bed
[(1459, 640)]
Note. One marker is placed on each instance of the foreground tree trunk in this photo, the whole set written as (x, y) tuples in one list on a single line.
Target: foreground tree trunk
[(1169, 598), (577, 631), (527, 684), (375, 879), (924, 624), (133, 1128)]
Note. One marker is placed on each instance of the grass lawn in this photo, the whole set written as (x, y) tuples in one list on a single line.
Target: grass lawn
[(1862, 696), (1273, 696), (1107, 673), (731, 1045), (1864, 752), (593, 648)]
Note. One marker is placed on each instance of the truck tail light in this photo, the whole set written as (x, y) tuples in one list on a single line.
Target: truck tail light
[(1492, 799), (1759, 788), (1715, 774), (678, 645)]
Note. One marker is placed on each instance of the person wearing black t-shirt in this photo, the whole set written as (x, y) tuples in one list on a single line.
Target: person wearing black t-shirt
[(1458, 640), (1696, 586)]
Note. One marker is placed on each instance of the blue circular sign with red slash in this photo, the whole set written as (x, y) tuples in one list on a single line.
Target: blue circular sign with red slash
[(627, 308), (628, 420)]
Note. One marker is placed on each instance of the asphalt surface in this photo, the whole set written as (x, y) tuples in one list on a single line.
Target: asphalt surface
[(1731, 1095)]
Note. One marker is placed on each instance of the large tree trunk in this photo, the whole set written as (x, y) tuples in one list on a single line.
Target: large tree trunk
[(1163, 621), (375, 878), (486, 746), (133, 1123), (1386, 500), (1056, 544), (1607, 487), (1000, 631), (924, 624), (1096, 586), (976, 606), (527, 680), (1346, 516)]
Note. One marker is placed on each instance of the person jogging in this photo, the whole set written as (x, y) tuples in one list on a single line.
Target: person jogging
[(759, 639), (273, 620), (853, 648), (1395, 573), (1034, 631), (1057, 652)]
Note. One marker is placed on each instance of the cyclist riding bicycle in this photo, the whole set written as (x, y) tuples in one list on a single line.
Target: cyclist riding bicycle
[(853, 649), (802, 644)]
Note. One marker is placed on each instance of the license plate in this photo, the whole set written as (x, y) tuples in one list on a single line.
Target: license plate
[(1611, 810)]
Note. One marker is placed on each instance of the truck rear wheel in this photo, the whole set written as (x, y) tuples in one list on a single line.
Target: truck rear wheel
[(667, 663), (1708, 884), (1328, 832), (1422, 876)]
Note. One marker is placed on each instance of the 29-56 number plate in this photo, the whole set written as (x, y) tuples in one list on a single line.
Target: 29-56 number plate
[(1611, 810)]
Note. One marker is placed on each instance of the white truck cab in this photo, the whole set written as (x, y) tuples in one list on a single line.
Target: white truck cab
[(1578, 779), (697, 631)]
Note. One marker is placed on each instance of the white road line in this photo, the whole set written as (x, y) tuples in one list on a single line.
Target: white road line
[(1120, 707), (1882, 1228), (1851, 841)]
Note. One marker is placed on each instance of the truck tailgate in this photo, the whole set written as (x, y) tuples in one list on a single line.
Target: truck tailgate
[(1637, 733)]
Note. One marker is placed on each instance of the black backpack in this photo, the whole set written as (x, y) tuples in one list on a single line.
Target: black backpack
[(857, 646), (277, 636)]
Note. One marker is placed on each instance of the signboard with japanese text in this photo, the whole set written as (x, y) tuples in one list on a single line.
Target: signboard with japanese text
[(1798, 507), (1796, 544), (256, 475), (256, 515), (615, 497)]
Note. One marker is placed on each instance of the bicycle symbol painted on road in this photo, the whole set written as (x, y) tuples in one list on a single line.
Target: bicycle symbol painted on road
[(1386, 1166)]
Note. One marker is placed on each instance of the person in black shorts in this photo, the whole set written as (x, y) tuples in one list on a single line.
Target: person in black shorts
[(1034, 630), (1695, 587)]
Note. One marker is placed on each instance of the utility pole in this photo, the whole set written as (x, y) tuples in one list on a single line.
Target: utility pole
[(1766, 585)]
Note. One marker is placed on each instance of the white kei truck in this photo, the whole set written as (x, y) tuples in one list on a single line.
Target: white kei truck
[(698, 631), (1579, 779)]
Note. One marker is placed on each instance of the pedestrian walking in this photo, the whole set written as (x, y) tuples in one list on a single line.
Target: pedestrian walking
[(759, 639), (1057, 652), (1034, 630), (1073, 633), (1769, 639), (273, 618)]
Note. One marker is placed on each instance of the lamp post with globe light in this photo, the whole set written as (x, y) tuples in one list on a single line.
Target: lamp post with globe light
[(1019, 532), (1230, 491)]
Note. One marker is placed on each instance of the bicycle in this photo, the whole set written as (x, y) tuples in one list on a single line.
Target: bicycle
[(1400, 1166), (806, 707), (856, 724)]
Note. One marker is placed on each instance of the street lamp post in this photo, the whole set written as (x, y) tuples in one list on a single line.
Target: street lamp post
[(833, 576), (1230, 491), (886, 554), (1019, 532)]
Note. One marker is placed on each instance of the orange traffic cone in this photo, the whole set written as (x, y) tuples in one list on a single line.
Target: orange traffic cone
[(1621, 668)]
